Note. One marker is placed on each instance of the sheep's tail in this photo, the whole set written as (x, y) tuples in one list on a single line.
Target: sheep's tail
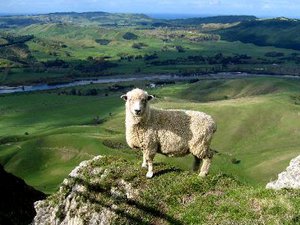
[(196, 164)]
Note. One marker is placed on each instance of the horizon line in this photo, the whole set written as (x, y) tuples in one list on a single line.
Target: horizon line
[(144, 13)]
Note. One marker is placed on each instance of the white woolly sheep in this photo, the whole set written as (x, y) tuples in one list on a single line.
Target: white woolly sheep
[(169, 132)]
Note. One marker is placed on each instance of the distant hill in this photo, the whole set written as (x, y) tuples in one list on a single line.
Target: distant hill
[(279, 32), (213, 19), (113, 19), (17, 198), (101, 18)]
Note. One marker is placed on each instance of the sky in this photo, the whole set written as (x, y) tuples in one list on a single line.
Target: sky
[(260, 8)]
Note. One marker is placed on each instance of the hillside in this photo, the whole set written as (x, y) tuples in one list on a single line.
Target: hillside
[(46, 134), (17, 198), (279, 32), (212, 19), (63, 47), (13, 50), (109, 190), (64, 52)]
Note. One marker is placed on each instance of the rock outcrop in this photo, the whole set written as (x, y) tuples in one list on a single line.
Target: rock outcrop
[(290, 178), (110, 190), (16, 200), (95, 193)]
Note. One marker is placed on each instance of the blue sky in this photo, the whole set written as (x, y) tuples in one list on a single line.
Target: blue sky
[(288, 8)]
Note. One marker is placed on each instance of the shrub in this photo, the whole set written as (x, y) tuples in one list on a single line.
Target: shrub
[(130, 36), (139, 45), (103, 41), (274, 54), (179, 48), (235, 161)]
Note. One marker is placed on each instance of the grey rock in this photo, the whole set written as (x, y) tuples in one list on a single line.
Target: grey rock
[(290, 178), (82, 198)]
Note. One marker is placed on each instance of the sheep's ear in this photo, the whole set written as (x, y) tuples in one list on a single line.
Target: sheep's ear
[(124, 97), (150, 97)]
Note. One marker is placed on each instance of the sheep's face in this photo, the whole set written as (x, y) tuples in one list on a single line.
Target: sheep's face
[(137, 102)]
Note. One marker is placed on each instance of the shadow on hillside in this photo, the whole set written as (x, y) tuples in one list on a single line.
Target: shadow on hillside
[(131, 210), (165, 171)]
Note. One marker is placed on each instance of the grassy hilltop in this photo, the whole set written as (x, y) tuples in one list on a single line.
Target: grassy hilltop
[(44, 135), (123, 195)]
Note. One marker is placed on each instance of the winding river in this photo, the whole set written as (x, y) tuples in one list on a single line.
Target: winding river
[(42, 87)]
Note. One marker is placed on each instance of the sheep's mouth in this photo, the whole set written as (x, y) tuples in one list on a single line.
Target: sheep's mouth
[(137, 114)]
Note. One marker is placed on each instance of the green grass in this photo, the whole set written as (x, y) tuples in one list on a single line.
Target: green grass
[(258, 124), (280, 32), (174, 197)]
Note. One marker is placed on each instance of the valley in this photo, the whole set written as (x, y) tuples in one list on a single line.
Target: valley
[(46, 134)]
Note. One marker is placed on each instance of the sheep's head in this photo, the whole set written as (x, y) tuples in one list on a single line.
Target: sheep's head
[(137, 102)]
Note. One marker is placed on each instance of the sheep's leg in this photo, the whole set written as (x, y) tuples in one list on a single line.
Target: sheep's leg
[(144, 164), (149, 159), (205, 167), (150, 169)]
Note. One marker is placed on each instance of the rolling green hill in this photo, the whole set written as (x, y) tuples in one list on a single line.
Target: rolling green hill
[(85, 18), (279, 32), (113, 19), (61, 52), (62, 47), (44, 135)]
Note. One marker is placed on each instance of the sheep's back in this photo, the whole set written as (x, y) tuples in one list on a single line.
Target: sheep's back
[(181, 130)]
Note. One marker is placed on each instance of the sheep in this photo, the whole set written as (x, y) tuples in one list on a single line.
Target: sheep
[(169, 132)]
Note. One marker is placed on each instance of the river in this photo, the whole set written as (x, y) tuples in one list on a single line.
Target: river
[(42, 87)]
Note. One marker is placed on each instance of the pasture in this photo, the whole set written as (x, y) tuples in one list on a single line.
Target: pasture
[(44, 135)]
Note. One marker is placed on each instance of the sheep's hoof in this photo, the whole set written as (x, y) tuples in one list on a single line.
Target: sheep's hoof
[(144, 165), (202, 174), (149, 175)]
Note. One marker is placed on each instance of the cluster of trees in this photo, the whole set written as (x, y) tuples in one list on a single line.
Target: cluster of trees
[(146, 57), (90, 65), (274, 54), (80, 92), (96, 91), (103, 41), (130, 36), (130, 58), (94, 65), (210, 60), (11, 39), (139, 45), (149, 57)]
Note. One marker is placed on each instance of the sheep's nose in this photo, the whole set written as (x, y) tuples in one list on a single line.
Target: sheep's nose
[(137, 111)]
